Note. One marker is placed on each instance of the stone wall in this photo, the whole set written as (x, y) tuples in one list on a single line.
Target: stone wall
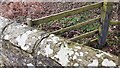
[(22, 45)]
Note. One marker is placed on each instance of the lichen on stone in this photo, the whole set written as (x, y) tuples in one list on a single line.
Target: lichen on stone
[(107, 62), (94, 63)]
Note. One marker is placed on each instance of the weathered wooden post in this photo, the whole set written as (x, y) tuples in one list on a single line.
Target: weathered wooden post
[(105, 20), (29, 22)]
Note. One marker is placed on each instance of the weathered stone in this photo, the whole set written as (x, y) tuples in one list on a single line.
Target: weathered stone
[(23, 45), (3, 24), (13, 56), (23, 36), (18, 43), (72, 54)]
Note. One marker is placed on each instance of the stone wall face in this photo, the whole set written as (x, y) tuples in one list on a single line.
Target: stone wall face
[(22, 45)]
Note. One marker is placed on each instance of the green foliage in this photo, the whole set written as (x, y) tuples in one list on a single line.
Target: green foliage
[(72, 20), (90, 27)]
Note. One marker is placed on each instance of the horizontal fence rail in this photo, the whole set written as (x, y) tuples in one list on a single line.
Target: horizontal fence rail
[(84, 35), (64, 14), (90, 41), (114, 22), (76, 26), (61, 15)]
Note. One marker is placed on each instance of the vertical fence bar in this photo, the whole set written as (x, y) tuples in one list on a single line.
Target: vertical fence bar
[(105, 20)]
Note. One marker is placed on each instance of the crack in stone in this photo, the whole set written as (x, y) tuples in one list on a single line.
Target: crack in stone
[(48, 61), (45, 60), (7, 41), (35, 47), (33, 53), (1, 37), (42, 58), (38, 42)]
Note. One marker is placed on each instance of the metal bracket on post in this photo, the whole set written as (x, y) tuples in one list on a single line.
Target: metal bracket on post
[(105, 20)]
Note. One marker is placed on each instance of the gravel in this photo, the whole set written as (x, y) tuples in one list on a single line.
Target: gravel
[(20, 11)]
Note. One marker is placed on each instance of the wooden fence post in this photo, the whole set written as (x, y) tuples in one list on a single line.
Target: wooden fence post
[(29, 22), (105, 20)]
